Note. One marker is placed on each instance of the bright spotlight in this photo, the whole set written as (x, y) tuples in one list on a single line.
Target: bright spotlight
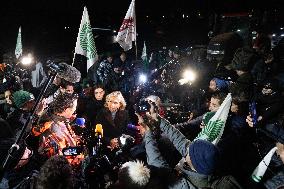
[(27, 60), (142, 78), (189, 76)]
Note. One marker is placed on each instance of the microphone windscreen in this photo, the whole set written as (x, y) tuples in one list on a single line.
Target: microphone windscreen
[(69, 73), (99, 129), (80, 121)]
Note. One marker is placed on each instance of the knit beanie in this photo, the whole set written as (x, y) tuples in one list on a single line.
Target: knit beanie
[(21, 97), (221, 84), (204, 156)]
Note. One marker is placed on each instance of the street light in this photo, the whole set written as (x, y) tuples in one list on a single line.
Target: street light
[(142, 78)]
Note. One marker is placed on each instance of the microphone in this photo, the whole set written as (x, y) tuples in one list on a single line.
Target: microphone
[(65, 71), (99, 130), (80, 121), (132, 127)]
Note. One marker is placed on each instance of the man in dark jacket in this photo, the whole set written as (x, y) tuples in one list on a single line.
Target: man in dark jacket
[(122, 68), (106, 74)]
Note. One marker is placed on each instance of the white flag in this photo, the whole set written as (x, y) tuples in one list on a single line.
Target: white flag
[(262, 166), (214, 129), (144, 53), (85, 44), (127, 32), (19, 47)]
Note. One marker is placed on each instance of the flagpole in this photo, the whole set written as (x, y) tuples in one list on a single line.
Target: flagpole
[(135, 32), (73, 58)]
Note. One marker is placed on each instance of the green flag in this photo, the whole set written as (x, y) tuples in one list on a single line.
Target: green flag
[(214, 128), (19, 47), (85, 44)]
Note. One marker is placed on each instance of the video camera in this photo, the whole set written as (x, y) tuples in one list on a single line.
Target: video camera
[(141, 108)]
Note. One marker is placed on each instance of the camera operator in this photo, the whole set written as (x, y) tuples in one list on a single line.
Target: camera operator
[(64, 81), (64, 87), (114, 119)]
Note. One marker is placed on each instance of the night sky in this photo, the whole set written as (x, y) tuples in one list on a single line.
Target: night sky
[(43, 21)]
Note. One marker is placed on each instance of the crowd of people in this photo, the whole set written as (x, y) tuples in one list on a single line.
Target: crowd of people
[(161, 153)]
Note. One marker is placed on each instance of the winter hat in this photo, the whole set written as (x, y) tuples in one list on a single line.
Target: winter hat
[(221, 84), (204, 156), (207, 116), (21, 97)]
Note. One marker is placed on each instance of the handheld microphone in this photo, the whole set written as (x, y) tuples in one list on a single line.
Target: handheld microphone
[(80, 121), (132, 127), (99, 130)]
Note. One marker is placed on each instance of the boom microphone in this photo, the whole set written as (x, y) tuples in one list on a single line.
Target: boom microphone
[(65, 71)]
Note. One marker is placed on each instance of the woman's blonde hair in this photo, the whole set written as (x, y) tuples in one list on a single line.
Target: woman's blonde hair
[(118, 95)]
